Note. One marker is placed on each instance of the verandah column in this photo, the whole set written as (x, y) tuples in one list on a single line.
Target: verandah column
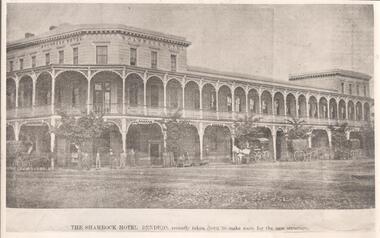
[(34, 82), (200, 99), (145, 79), (274, 139), (52, 93), (297, 106), (246, 102), (17, 83), (201, 132), (88, 95), (123, 93)]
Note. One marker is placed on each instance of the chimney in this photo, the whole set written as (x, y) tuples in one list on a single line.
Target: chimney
[(52, 28), (28, 34)]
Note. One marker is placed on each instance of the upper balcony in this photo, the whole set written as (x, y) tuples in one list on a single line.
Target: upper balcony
[(157, 94)]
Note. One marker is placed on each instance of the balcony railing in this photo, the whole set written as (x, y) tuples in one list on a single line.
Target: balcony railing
[(140, 110)]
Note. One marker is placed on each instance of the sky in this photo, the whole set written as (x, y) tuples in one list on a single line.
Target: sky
[(267, 40)]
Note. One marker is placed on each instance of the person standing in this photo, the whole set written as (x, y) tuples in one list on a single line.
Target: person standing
[(132, 158), (97, 161), (123, 158)]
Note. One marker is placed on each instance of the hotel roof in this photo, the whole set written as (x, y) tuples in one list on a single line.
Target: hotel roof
[(66, 28)]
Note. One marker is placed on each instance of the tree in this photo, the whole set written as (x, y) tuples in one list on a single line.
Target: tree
[(298, 129), (177, 130), (367, 132), (246, 130), (297, 134), (85, 129)]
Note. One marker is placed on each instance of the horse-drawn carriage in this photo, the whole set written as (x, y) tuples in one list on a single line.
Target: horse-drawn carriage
[(21, 156)]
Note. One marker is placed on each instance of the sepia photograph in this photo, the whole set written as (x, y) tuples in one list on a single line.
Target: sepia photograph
[(189, 106)]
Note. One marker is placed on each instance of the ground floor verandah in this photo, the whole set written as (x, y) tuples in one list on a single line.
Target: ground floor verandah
[(143, 143)]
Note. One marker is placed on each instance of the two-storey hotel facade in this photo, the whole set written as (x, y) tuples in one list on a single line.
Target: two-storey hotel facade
[(136, 77)]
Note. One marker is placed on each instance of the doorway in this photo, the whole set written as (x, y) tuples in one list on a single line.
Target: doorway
[(155, 153)]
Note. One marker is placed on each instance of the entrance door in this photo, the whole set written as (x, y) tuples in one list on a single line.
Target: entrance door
[(102, 97), (154, 153)]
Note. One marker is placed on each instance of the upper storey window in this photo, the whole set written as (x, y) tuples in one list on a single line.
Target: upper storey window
[(357, 89), (61, 56), (154, 59), (21, 61), (47, 58), (342, 87), (133, 57), (75, 55), (350, 88), (101, 55), (173, 62), (11, 66), (33, 61), (365, 91)]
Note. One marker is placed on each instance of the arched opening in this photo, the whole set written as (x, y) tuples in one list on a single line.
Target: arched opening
[(253, 101), (279, 107), (209, 98), (281, 146), (174, 94), (35, 137), (351, 110), (107, 92), (155, 92), (302, 109), (342, 109), (225, 99), (25, 91), (11, 93), (266, 103), (191, 144), (323, 113), (319, 139), (366, 112), (359, 111), (217, 144), (134, 90), (291, 105), (43, 89), (146, 141), (10, 133), (356, 140), (263, 143), (71, 92), (109, 141), (192, 96), (239, 100), (333, 109), (313, 107)]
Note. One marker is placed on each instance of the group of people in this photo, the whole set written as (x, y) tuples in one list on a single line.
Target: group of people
[(116, 161)]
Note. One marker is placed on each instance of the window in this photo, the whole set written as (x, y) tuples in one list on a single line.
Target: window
[(154, 96), (11, 66), (357, 89), (33, 61), (133, 94), (154, 59), (75, 55), (101, 55), (350, 88), (47, 58), (75, 94), (61, 56), (365, 91), (173, 62), (21, 64), (133, 57), (342, 85)]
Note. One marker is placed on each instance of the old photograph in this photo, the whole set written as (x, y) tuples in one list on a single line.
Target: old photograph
[(197, 106)]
